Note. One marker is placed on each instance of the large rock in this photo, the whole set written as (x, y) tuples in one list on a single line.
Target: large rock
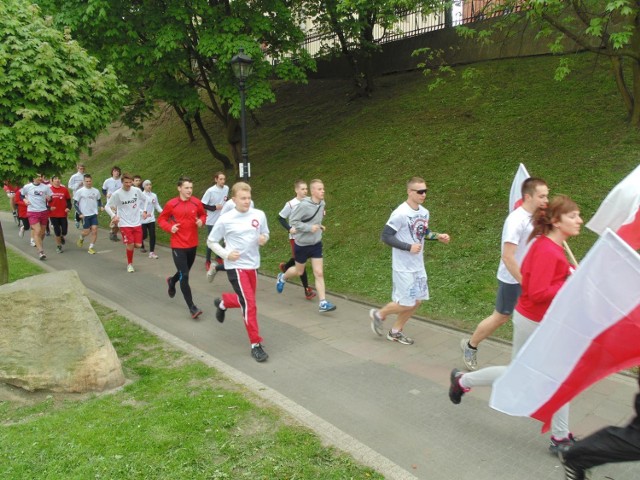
[(52, 339)]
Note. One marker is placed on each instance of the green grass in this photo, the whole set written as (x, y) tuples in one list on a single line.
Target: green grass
[(467, 143), (175, 418)]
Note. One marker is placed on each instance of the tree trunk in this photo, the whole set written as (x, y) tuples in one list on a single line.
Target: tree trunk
[(182, 113), (234, 139), (207, 138), (4, 261), (635, 110)]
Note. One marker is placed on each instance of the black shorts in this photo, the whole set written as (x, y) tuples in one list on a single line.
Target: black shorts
[(303, 253), (60, 225), (508, 294)]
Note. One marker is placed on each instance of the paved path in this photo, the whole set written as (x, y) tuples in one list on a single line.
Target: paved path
[(384, 403)]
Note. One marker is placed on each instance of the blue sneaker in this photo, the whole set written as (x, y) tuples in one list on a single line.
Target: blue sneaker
[(326, 306), (280, 283)]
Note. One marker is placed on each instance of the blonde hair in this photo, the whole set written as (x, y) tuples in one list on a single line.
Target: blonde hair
[(240, 186)]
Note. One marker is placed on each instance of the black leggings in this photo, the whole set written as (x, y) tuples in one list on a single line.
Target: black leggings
[(149, 230), (183, 258), (609, 445)]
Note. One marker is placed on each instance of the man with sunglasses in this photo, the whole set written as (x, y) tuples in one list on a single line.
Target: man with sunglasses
[(405, 232)]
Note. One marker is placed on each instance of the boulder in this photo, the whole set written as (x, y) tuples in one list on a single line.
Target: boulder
[(52, 339)]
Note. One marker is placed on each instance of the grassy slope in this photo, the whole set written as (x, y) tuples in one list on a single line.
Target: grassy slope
[(467, 143)]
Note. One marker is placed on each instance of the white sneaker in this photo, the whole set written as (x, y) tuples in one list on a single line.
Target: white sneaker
[(153, 255), (33, 242), (211, 273), (21, 231), (130, 268)]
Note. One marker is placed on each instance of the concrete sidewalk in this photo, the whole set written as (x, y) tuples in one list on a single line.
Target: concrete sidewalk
[(384, 403)]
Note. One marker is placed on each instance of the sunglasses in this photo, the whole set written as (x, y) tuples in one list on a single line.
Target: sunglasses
[(421, 192)]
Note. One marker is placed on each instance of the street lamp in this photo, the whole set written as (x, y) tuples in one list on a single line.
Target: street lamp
[(242, 66)]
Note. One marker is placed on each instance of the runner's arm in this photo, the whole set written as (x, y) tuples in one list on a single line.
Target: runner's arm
[(388, 236)]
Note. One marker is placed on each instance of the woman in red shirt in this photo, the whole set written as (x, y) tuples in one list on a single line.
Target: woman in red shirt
[(544, 270)]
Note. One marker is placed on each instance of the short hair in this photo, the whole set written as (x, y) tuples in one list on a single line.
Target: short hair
[(414, 180), (117, 169), (137, 176), (299, 182), (79, 165), (87, 175), (127, 176), (240, 186), (53, 177), (314, 181), (217, 174), (184, 179), (530, 185)]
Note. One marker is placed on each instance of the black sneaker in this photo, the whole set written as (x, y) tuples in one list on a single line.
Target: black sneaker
[(555, 444), (258, 353), (219, 312), (571, 472), (194, 311), (455, 390), (172, 287)]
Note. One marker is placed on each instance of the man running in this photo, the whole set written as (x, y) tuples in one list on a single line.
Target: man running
[(213, 201), (244, 230), (515, 233), (109, 186), (181, 217), (127, 207), (76, 181), (59, 207), (307, 220), (36, 195), (405, 232), (300, 187), (88, 202), (149, 223)]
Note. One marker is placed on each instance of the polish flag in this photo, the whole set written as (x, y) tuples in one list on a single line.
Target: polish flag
[(515, 194), (591, 330), (620, 211)]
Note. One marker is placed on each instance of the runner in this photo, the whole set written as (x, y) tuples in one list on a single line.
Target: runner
[(300, 187), (36, 195), (76, 181), (307, 220), (11, 190), (149, 223), (544, 271), (213, 201), (405, 232), (88, 202), (126, 207), (181, 217), (109, 186), (515, 234), (22, 213), (244, 230), (59, 208)]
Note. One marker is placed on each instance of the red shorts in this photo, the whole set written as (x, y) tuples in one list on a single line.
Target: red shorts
[(41, 218), (131, 235)]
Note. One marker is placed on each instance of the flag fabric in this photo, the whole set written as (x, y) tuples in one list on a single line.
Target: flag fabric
[(515, 194), (620, 211), (591, 330)]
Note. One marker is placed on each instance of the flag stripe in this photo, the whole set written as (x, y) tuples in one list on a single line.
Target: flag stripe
[(630, 232)]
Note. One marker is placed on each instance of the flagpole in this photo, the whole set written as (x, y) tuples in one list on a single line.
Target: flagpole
[(572, 258)]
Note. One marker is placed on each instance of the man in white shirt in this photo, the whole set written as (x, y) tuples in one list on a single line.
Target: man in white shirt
[(109, 186), (126, 207), (36, 195), (514, 246), (213, 201), (88, 202), (405, 232), (244, 230), (76, 181)]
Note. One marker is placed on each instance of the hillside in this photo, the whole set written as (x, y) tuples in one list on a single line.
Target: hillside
[(467, 141)]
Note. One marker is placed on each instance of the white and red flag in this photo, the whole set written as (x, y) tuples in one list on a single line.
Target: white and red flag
[(620, 211), (515, 194), (592, 329)]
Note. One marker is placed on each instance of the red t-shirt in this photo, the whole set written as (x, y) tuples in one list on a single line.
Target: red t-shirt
[(544, 270), (58, 202), (186, 213), (22, 207)]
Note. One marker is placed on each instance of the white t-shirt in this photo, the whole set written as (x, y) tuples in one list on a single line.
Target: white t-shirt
[(110, 185), (76, 181), (87, 199), (215, 196), (411, 227), (516, 230), (37, 196), (288, 208), (240, 232), (129, 206), (153, 205)]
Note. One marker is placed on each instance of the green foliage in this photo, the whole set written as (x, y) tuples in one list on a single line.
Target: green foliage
[(53, 98)]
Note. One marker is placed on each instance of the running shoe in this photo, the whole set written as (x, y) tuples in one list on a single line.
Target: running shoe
[(309, 293), (130, 268), (399, 337), (376, 321), (211, 273), (455, 389), (282, 266), (143, 250), (219, 311), (58, 248), (171, 291), (153, 255), (63, 241), (571, 472), (326, 306), (258, 353), (469, 355), (555, 444), (42, 256), (91, 251), (194, 311), (280, 283), (21, 231), (207, 265), (32, 242), (80, 242)]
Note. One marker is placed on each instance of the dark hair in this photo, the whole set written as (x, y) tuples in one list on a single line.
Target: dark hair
[(217, 174), (115, 167), (181, 180), (530, 185), (55, 176), (137, 176), (87, 175), (543, 218)]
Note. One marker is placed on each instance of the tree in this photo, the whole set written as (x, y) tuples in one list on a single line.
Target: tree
[(53, 99), (352, 23), (178, 51), (606, 28)]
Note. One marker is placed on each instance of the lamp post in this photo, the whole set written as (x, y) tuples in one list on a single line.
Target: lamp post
[(242, 66)]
